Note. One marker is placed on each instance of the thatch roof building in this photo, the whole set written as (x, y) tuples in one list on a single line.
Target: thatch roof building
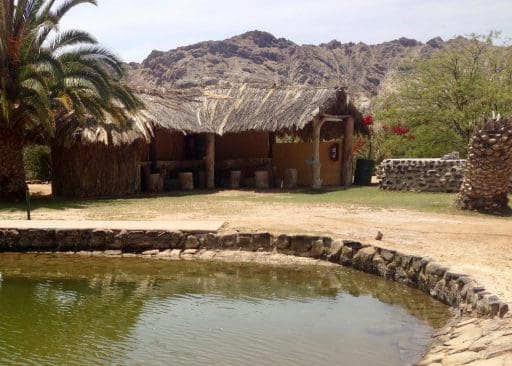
[(207, 131), (251, 113)]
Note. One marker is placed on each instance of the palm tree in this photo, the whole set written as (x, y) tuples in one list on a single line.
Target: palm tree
[(489, 167), (49, 77)]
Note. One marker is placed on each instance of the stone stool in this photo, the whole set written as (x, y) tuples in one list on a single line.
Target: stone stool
[(234, 179), (261, 179), (155, 183), (186, 181), (290, 178)]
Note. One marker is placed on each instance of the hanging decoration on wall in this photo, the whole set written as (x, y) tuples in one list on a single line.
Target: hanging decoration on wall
[(334, 149)]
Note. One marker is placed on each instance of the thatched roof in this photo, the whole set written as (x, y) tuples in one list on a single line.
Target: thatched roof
[(220, 111), (244, 108), (108, 132)]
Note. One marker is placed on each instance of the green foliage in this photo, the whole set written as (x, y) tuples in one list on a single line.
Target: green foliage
[(429, 142), (50, 76), (38, 162), (442, 98)]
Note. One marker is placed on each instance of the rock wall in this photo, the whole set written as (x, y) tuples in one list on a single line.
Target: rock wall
[(421, 175), (457, 290)]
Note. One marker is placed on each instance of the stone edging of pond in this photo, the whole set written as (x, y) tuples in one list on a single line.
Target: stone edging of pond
[(458, 290), (482, 338)]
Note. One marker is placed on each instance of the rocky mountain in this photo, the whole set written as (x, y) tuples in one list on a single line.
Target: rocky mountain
[(259, 57)]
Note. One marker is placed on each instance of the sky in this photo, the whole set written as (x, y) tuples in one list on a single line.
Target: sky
[(133, 28)]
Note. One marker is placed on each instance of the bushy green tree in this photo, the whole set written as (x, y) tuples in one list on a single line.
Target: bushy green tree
[(38, 162), (47, 77), (442, 98)]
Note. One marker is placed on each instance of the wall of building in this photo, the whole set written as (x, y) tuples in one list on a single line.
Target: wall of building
[(298, 156), (255, 145), (170, 146), (96, 170), (421, 175), (242, 145)]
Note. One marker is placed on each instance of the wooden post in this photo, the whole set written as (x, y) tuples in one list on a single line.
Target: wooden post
[(210, 161), (153, 154), (346, 161), (271, 141), (317, 178)]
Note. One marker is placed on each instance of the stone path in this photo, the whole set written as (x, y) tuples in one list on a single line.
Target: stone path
[(472, 342)]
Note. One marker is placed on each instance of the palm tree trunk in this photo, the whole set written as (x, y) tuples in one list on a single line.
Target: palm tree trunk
[(12, 171), (488, 169)]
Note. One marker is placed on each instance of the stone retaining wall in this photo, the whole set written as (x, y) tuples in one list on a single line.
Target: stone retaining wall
[(421, 175), (457, 290)]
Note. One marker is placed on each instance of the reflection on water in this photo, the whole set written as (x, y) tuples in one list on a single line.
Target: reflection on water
[(65, 310)]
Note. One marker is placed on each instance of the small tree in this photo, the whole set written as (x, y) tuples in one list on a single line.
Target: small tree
[(449, 92)]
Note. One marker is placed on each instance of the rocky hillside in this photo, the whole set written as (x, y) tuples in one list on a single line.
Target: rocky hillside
[(262, 58)]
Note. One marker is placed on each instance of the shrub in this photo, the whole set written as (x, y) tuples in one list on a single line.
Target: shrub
[(38, 162)]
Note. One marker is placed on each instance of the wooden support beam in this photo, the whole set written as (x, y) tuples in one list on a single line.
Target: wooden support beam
[(210, 161), (271, 142), (346, 160), (335, 116), (317, 177), (153, 154)]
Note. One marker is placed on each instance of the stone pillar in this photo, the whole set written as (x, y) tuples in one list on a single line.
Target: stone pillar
[(488, 169)]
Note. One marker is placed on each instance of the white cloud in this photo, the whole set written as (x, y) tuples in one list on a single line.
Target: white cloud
[(134, 27)]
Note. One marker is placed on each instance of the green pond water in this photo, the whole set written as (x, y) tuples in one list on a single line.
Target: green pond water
[(71, 310)]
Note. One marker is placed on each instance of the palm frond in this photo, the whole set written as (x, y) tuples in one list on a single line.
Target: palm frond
[(48, 76), (70, 38), (67, 5), (98, 53)]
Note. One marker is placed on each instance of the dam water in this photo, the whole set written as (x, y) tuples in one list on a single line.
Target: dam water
[(72, 310)]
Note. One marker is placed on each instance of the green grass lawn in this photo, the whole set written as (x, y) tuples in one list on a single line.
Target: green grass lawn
[(131, 207)]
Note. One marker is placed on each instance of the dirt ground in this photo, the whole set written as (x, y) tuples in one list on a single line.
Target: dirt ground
[(476, 245)]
